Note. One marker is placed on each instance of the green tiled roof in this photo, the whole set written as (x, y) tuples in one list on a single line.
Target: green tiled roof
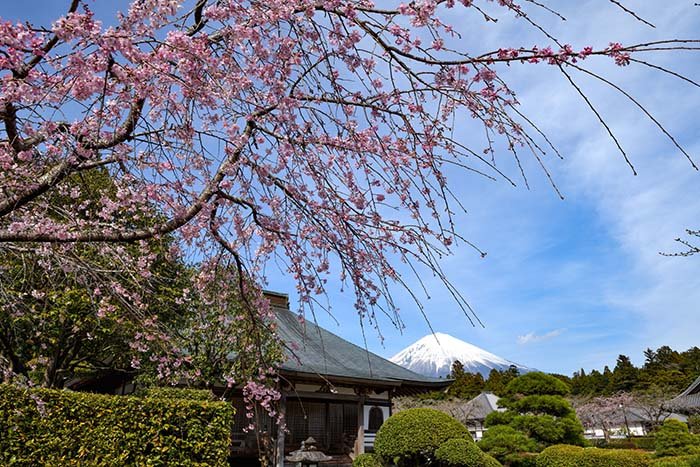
[(320, 352), (688, 399)]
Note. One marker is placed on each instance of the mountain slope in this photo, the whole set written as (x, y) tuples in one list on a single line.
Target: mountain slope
[(434, 354)]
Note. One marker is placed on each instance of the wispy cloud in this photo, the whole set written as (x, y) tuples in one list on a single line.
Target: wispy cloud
[(531, 337)]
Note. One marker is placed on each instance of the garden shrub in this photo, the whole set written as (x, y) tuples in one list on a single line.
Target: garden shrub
[(460, 452), (177, 393), (560, 455), (46, 427), (412, 436), (367, 460), (502, 441), (694, 423), (523, 459), (676, 461), (499, 418), (537, 383), (575, 456), (536, 407), (648, 443), (489, 461), (674, 439)]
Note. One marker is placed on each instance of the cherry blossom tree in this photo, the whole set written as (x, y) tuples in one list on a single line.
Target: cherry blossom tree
[(605, 413), (316, 133), (689, 244)]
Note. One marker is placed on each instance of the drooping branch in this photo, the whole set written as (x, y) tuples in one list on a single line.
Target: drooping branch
[(70, 165)]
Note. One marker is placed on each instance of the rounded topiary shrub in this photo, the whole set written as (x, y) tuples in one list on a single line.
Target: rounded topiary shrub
[(561, 455), (674, 439), (616, 458), (537, 383), (460, 452), (367, 460), (411, 436), (575, 456)]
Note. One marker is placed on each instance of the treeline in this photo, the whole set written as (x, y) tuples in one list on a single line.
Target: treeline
[(469, 385), (664, 370)]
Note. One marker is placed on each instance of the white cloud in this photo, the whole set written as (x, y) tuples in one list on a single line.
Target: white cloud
[(531, 337)]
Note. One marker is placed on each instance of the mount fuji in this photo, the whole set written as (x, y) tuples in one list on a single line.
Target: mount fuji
[(434, 354)]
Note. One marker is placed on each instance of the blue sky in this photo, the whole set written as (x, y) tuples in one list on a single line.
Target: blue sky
[(573, 283)]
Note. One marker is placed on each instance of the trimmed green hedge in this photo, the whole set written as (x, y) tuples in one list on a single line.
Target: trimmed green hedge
[(177, 393), (560, 455), (410, 436), (367, 460), (574, 456), (647, 443), (62, 428), (676, 461), (460, 452)]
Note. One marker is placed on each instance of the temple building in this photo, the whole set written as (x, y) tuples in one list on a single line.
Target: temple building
[(333, 390), (689, 400)]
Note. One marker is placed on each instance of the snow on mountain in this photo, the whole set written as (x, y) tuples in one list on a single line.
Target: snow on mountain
[(434, 354)]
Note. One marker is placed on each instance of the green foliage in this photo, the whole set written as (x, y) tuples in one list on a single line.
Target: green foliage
[(48, 427), (504, 441), (498, 380), (674, 439), (548, 429), (543, 404), (664, 370), (574, 456), (537, 383), (460, 452), (561, 455), (499, 418), (646, 443), (694, 424), (367, 460), (411, 436), (676, 461), (69, 311), (625, 375), (489, 461), (177, 393), (524, 459), (465, 385), (535, 406)]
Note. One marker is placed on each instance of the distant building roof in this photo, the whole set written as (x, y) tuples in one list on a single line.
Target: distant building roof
[(482, 405), (635, 414), (318, 353), (688, 400)]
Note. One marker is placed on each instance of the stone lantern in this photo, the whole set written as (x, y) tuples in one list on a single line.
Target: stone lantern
[(307, 455)]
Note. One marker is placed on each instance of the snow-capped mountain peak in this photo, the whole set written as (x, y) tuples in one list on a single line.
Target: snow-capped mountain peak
[(434, 354)]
